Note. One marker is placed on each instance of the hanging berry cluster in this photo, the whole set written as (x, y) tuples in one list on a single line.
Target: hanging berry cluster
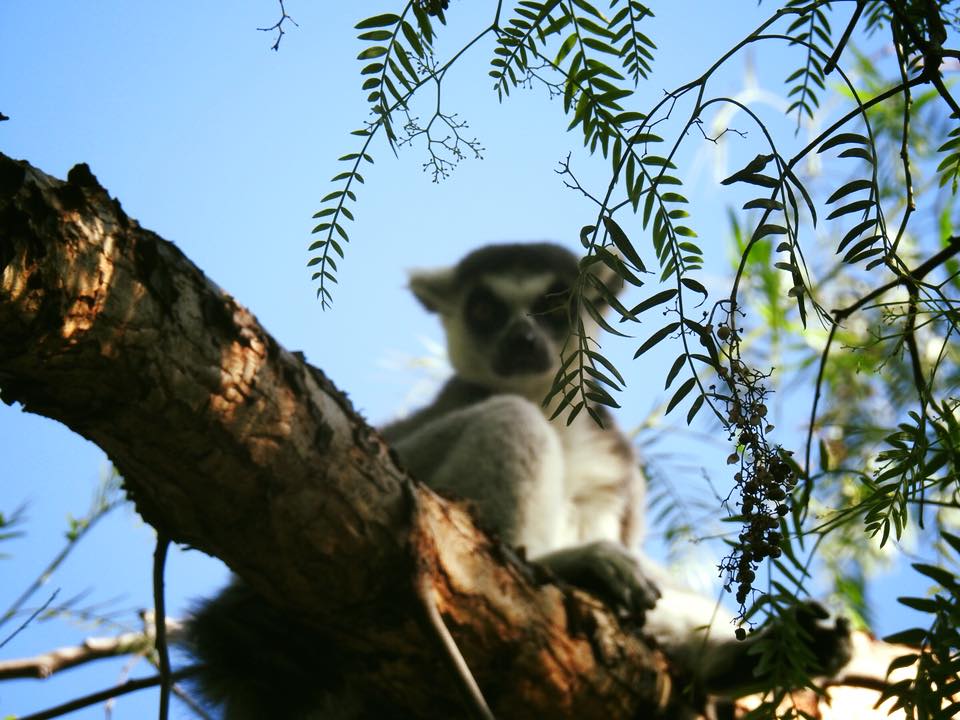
[(764, 478)]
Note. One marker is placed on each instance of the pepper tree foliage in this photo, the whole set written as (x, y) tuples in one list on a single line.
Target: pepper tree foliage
[(840, 278)]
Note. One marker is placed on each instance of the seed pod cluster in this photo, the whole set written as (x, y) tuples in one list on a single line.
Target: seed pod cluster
[(764, 477)]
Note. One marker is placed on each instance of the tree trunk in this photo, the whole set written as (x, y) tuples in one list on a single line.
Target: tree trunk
[(231, 444)]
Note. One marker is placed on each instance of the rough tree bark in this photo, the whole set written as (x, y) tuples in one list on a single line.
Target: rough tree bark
[(235, 446)]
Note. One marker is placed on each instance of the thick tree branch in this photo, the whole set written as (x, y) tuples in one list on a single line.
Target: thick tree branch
[(237, 447)]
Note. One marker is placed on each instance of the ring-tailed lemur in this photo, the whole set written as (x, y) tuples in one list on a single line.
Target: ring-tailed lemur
[(570, 494)]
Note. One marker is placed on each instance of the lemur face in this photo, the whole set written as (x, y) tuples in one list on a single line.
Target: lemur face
[(505, 312), (517, 321)]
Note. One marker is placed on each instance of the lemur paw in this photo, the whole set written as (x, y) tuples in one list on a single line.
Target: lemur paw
[(610, 572)]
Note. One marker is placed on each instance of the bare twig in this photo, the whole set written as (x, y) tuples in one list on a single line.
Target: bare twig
[(278, 26), (95, 648), (30, 619), (81, 528), (111, 692)]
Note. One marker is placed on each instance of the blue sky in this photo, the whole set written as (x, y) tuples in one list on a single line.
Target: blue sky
[(224, 147)]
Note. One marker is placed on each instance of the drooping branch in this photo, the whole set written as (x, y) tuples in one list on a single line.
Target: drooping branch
[(239, 448)]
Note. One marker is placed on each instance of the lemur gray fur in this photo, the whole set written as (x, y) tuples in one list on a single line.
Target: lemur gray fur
[(571, 495)]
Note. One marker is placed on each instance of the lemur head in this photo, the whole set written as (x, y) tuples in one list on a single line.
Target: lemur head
[(505, 312)]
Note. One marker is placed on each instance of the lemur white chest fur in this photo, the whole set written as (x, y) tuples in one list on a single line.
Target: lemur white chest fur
[(600, 483), (537, 483)]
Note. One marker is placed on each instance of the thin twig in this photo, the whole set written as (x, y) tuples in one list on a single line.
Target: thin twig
[(160, 620), (85, 525), (842, 43), (111, 692), (31, 618), (278, 26), (953, 247)]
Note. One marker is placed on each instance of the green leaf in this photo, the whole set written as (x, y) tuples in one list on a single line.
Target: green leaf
[(376, 35), (605, 292), (855, 232), (565, 48), (630, 116), (903, 661), (952, 540), (694, 408), (803, 191), (855, 206), (407, 65), (858, 152), (674, 369), (585, 232), (587, 7), (411, 35), (591, 26), (599, 394), (769, 229), (751, 168), (576, 411), (378, 21), (854, 253), (694, 285), (824, 456), (680, 394), (648, 207), (926, 605), (761, 180), (937, 574), (666, 180), (913, 636), (598, 316), (763, 203), (620, 267), (621, 242), (657, 161), (372, 52), (565, 402), (655, 338), (597, 357), (652, 301), (850, 187), (843, 139)]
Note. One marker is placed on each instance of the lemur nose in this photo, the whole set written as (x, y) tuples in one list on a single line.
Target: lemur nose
[(522, 349), (522, 333)]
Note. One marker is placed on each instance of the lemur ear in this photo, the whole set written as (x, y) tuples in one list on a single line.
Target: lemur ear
[(435, 289)]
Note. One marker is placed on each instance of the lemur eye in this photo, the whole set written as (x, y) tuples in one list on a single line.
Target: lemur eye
[(551, 307), (484, 312)]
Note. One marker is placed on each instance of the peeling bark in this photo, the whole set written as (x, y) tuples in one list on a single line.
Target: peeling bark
[(231, 444)]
